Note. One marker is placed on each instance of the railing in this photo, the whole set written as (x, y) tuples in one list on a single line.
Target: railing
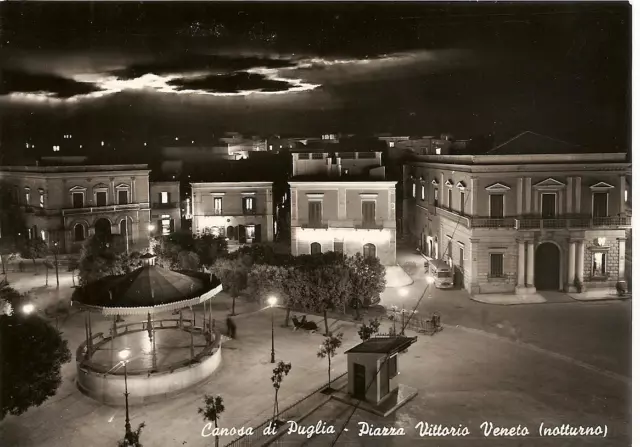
[(104, 209), (165, 205), (562, 223), (481, 222), (369, 226), (318, 225), (293, 412), (451, 215)]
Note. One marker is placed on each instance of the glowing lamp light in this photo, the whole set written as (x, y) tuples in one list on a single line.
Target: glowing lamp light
[(151, 227), (28, 308), (124, 354), (430, 280), (601, 241), (403, 292), (272, 300)]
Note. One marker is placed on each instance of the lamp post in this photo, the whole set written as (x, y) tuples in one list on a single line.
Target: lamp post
[(124, 356), (55, 257), (29, 308), (403, 293), (272, 302)]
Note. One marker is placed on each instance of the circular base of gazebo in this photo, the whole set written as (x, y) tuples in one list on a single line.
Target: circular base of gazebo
[(102, 378)]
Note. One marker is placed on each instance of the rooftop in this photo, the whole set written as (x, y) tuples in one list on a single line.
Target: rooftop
[(531, 143), (383, 345), (60, 169)]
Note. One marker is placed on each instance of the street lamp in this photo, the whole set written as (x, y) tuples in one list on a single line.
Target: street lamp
[(124, 356), (403, 293), (272, 300), (28, 309), (55, 257)]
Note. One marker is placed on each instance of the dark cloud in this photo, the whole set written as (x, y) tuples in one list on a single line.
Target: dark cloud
[(56, 86), (232, 83), (200, 62)]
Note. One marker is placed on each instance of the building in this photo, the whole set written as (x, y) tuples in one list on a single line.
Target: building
[(342, 203), (243, 211), (533, 213), (166, 216), (68, 204)]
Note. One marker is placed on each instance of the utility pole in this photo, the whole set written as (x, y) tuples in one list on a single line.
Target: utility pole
[(55, 257)]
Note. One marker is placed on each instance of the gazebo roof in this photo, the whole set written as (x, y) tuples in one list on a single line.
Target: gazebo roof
[(148, 289)]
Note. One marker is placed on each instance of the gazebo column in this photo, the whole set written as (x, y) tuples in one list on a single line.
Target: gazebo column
[(86, 336), (90, 335), (180, 318), (210, 328), (114, 332)]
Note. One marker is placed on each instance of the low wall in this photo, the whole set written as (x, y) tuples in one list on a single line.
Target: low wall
[(147, 387)]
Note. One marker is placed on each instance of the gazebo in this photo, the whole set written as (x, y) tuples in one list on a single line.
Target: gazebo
[(147, 291)]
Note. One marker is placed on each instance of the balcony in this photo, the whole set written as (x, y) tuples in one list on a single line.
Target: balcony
[(165, 205), (104, 209), (369, 226), (585, 222), (487, 222), (316, 225)]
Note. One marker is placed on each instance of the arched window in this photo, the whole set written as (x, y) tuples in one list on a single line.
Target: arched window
[(316, 248), (369, 251), (78, 232)]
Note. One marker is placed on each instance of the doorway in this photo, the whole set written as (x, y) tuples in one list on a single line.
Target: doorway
[(547, 267), (359, 381)]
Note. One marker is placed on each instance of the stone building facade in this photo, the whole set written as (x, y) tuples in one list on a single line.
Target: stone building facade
[(518, 223), (166, 216), (68, 204), (242, 211)]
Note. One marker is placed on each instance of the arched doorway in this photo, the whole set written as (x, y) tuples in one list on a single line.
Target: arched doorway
[(369, 251), (230, 232), (547, 267), (102, 227)]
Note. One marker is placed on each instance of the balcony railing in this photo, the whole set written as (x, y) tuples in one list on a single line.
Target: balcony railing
[(165, 205), (104, 209), (572, 222), (369, 226), (487, 222)]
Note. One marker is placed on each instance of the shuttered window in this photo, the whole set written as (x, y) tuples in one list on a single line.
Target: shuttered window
[(315, 213), (496, 265), (368, 212), (496, 208)]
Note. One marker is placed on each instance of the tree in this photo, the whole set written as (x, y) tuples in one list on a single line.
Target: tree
[(233, 274), (34, 248), (170, 248), (132, 438), (367, 330), (99, 258), (278, 375), (9, 298), (329, 289), (32, 354), (367, 278), (213, 408), (8, 251), (328, 349), (282, 282), (209, 248), (188, 260)]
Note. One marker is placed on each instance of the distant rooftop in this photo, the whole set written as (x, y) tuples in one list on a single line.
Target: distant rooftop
[(531, 143), (383, 345), (74, 168)]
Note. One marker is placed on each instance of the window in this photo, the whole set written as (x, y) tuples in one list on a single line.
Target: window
[(422, 192), (496, 206), (315, 213), (435, 196), (251, 231), (338, 246), (496, 265), (165, 224), (548, 206), (316, 248), (462, 202), (123, 197), (41, 199), (101, 198), (27, 196), (248, 205), (413, 190), (78, 199), (392, 364), (369, 251), (217, 206), (438, 151), (392, 144), (368, 213), (78, 232), (461, 256), (450, 198), (600, 204), (164, 197), (599, 264)]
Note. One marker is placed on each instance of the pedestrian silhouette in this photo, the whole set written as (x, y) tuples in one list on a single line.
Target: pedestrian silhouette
[(231, 328)]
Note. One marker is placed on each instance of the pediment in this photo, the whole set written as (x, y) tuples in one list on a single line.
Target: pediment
[(434, 182), (78, 189), (602, 185), (461, 185), (550, 183), (122, 186), (497, 187), (448, 183), (100, 186)]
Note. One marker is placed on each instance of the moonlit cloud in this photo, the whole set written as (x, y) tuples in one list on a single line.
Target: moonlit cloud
[(218, 75)]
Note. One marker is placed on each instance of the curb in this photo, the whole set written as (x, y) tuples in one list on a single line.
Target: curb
[(505, 304), (604, 372)]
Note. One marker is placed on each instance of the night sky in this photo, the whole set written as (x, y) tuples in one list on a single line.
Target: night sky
[(147, 69)]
